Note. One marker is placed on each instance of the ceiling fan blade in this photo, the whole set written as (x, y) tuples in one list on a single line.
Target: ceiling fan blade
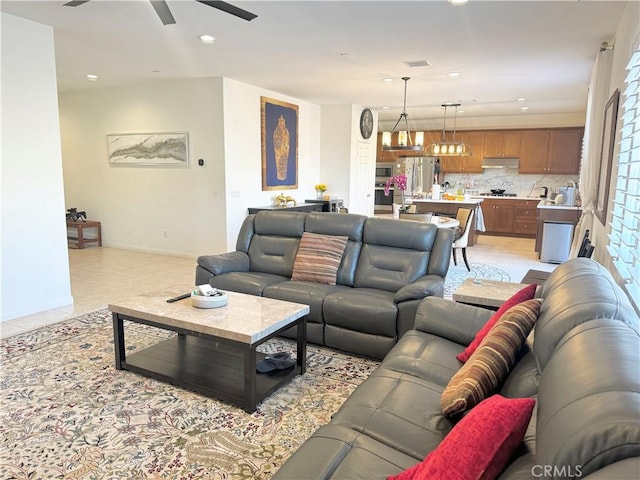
[(227, 7), (162, 9), (74, 3)]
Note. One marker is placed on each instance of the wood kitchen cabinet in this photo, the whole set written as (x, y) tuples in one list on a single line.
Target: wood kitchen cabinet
[(470, 164), (525, 221), (502, 143), (498, 215), (551, 151)]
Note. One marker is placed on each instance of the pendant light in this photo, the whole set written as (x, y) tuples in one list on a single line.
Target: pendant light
[(445, 148), (405, 142)]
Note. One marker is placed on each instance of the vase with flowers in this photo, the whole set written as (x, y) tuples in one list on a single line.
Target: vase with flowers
[(320, 189), (400, 182)]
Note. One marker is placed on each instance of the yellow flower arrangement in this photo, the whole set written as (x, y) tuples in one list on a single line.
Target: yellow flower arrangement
[(321, 187)]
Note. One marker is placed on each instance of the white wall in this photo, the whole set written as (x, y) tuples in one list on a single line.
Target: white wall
[(185, 211), (625, 41), (243, 155), (342, 144), (35, 263)]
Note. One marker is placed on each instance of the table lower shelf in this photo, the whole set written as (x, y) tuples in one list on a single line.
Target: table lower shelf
[(205, 366)]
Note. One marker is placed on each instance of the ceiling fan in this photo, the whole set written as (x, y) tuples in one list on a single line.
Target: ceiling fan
[(162, 9)]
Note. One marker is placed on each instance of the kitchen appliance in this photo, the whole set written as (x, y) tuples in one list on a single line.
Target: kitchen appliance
[(497, 191), (385, 170), (487, 194), (569, 194), (382, 202), (556, 242), (420, 174), (545, 192)]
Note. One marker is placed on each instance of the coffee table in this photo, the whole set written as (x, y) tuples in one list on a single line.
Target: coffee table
[(214, 352)]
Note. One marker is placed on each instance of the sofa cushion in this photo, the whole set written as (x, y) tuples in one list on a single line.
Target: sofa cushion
[(527, 293), (480, 445), (251, 283), (318, 258), (491, 362)]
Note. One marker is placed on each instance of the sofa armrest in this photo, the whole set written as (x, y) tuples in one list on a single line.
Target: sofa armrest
[(225, 262), (451, 320), (429, 285)]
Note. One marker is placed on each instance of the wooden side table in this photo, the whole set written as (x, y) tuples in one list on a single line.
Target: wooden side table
[(80, 238)]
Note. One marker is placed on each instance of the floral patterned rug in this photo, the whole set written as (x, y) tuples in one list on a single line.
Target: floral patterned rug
[(66, 412)]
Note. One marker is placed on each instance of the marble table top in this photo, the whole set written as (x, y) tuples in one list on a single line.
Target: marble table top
[(245, 318), (489, 293)]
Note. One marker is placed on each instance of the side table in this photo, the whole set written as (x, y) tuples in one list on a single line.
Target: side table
[(80, 238), (489, 294)]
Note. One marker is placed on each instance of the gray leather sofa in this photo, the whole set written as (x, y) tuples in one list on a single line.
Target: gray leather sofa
[(387, 268), (581, 363)]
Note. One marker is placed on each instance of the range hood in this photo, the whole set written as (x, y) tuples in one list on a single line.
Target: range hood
[(500, 162)]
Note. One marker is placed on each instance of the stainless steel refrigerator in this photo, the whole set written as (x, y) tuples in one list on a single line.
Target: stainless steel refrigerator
[(419, 171)]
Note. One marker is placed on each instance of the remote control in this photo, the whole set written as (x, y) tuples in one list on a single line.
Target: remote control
[(179, 297)]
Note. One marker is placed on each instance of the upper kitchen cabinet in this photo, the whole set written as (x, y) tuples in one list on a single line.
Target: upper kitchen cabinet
[(551, 151), (470, 164), (502, 143)]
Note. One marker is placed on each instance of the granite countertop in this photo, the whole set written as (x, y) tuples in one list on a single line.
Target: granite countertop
[(551, 205), (475, 200)]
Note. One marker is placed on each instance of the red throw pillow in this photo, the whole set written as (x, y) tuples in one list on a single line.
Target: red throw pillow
[(480, 445), (527, 293)]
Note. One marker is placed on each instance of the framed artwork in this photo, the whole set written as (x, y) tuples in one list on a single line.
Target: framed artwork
[(148, 149), (279, 129), (606, 156)]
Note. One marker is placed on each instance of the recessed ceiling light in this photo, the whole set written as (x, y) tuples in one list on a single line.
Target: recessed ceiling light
[(207, 38), (458, 2), (460, 111), (385, 108), (454, 74), (524, 108), (92, 77), (520, 100), (387, 79)]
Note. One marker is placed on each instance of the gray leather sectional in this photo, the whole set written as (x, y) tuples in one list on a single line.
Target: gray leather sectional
[(581, 363), (388, 267)]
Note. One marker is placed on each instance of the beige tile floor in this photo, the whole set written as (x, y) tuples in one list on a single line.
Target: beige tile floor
[(100, 275)]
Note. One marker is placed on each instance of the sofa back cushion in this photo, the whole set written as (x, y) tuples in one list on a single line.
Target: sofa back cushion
[(579, 290), (349, 225), (394, 253), (275, 240), (588, 399)]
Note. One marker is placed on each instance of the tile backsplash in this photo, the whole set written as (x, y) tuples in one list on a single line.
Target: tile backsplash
[(509, 180)]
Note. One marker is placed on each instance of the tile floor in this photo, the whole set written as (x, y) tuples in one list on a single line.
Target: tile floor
[(100, 275)]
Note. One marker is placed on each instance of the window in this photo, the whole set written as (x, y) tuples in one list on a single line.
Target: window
[(624, 237)]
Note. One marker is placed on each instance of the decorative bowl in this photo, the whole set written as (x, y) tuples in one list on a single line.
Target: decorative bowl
[(202, 301)]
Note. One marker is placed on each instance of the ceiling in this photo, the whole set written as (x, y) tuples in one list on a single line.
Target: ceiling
[(338, 52)]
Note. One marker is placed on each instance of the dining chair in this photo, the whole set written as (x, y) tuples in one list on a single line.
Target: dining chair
[(465, 217)]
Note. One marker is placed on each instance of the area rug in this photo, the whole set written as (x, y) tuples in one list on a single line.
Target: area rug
[(66, 412), (459, 273)]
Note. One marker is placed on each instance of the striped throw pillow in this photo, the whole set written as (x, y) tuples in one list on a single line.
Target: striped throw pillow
[(491, 362), (318, 258)]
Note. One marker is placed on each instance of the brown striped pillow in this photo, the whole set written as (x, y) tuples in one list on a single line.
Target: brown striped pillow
[(490, 363), (318, 258)]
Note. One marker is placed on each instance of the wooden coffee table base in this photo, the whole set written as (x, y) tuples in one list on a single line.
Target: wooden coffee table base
[(216, 367)]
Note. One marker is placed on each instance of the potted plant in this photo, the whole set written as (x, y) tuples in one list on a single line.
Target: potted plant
[(400, 182)]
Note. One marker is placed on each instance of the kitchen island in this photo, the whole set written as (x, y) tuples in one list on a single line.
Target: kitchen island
[(449, 208)]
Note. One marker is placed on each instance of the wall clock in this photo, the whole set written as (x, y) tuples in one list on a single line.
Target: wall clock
[(366, 123)]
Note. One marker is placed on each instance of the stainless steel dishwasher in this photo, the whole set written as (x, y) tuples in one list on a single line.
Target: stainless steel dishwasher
[(556, 242)]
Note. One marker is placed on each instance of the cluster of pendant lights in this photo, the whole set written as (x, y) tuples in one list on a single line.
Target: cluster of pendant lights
[(405, 143)]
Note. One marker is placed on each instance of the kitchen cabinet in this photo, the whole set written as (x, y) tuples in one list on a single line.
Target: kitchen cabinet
[(502, 143), (498, 215), (470, 164), (551, 151), (525, 216)]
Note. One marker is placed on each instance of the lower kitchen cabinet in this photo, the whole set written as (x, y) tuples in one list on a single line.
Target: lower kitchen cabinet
[(525, 216), (510, 217), (498, 215)]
